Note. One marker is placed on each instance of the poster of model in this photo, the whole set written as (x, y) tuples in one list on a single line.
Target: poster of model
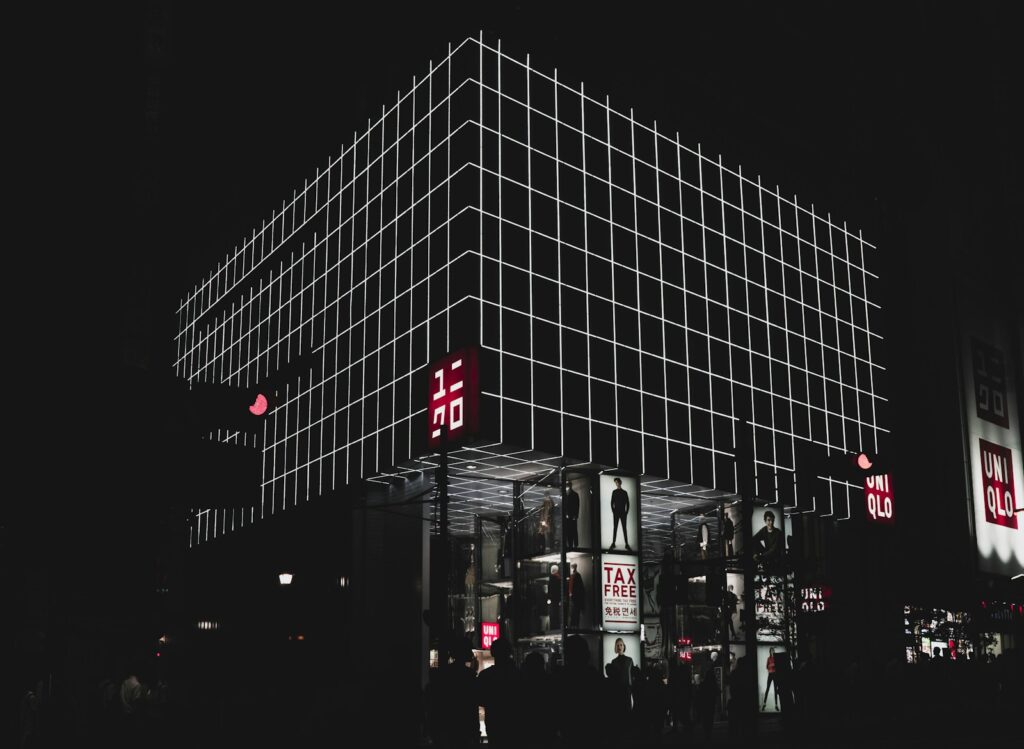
[(576, 509), (619, 655), (619, 510), (772, 661)]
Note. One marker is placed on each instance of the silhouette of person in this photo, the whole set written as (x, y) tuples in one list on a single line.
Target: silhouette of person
[(579, 690), (555, 598), (496, 689), (571, 508), (768, 542), (728, 533), (535, 699), (707, 697), (456, 703), (620, 509), (577, 596), (772, 680)]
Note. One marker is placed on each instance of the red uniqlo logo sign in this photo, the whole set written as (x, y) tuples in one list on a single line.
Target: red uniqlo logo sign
[(997, 483), (878, 498), (454, 396), (489, 632)]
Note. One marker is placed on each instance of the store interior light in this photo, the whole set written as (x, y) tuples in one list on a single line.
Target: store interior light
[(343, 581), (1018, 577), (470, 467), (285, 578)]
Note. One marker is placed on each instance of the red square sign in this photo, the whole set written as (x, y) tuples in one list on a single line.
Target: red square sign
[(997, 483), (454, 398), (489, 632), (878, 497)]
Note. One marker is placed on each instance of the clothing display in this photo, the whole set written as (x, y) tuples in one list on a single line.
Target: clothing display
[(571, 508), (577, 598)]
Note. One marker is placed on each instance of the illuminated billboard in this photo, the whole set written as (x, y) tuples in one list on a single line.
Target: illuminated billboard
[(993, 445)]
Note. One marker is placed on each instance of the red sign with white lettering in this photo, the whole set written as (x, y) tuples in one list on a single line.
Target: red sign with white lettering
[(879, 499), (997, 484), (454, 399), (489, 632)]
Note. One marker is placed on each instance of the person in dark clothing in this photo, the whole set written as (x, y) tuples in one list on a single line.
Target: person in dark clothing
[(580, 689), (453, 703), (707, 697), (535, 698), (728, 533), (577, 596), (652, 703), (768, 542), (496, 689), (554, 598), (680, 688), (571, 509), (620, 510)]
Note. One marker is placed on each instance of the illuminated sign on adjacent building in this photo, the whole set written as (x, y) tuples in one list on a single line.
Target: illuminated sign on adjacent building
[(454, 396), (994, 445), (489, 632), (815, 599), (997, 484), (879, 499), (620, 593)]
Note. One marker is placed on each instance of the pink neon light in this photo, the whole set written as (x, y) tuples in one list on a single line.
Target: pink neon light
[(260, 406), (864, 461)]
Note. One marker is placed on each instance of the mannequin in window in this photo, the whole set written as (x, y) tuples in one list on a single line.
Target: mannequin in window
[(554, 598), (705, 540), (728, 533), (577, 596), (546, 523), (729, 603), (571, 509), (620, 510)]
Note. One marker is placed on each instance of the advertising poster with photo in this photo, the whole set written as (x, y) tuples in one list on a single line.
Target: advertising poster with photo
[(994, 444), (619, 511), (616, 657), (577, 506), (620, 593), (770, 658)]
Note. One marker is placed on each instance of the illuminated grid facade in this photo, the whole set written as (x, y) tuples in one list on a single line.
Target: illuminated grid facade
[(630, 296)]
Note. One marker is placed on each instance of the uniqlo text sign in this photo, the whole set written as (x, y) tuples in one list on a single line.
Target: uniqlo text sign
[(620, 593), (997, 484), (878, 499), (489, 632), (454, 396)]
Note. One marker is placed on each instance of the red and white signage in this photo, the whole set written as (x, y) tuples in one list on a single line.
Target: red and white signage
[(620, 593), (997, 484), (489, 632), (454, 396), (879, 499)]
